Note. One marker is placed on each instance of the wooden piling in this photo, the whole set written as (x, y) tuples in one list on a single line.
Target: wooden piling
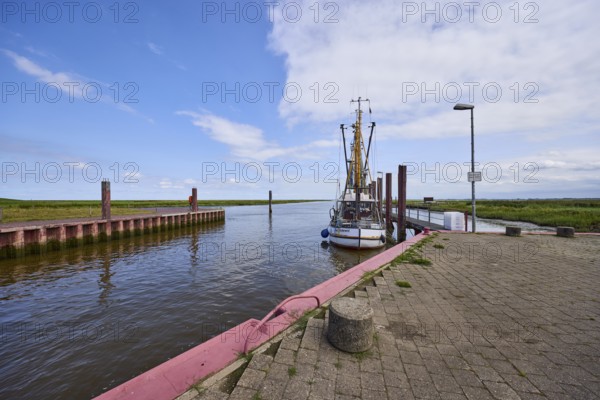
[(388, 203), (401, 203), (105, 199), (270, 202), (379, 193), (194, 199)]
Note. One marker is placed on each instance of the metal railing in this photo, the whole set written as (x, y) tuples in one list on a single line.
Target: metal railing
[(278, 310), (424, 214)]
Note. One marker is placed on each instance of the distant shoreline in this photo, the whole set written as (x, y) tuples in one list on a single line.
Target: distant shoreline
[(41, 210), (581, 214)]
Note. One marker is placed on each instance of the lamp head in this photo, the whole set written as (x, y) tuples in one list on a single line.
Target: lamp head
[(461, 107)]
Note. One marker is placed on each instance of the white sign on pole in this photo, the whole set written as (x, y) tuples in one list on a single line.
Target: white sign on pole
[(474, 176)]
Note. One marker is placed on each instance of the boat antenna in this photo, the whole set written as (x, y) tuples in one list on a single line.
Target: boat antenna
[(344, 141)]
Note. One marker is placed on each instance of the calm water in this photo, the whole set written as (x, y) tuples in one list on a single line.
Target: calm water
[(76, 323)]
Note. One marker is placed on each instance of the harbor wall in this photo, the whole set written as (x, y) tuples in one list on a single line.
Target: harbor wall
[(22, 239)]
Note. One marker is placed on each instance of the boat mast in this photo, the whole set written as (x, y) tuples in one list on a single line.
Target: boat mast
[(357, 150)]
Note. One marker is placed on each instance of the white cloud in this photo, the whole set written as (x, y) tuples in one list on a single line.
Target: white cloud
[(27, 66), (379, 51), (248, 142), (70, 84), (156, 49)]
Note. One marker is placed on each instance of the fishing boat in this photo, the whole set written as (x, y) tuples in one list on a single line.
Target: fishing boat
[(356, 219)]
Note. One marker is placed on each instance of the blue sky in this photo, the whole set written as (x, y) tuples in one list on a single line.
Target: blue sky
[(239, 98)]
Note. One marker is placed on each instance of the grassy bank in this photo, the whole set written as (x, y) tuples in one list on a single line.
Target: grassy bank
[(582, 214), (34, 210)]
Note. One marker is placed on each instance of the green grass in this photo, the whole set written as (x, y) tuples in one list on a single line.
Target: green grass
[(362, 355), (292, 371), (581, 214), (403, 284), (256, 396), (37, 210), (439, 246), (414, 255)]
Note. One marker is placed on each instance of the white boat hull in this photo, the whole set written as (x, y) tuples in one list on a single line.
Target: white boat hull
[(356, 238)]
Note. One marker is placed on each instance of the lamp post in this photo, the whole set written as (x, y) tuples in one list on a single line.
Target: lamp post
[(462, 107)]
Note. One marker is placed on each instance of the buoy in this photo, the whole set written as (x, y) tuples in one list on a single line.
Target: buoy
[(324, 233), (382, 238)]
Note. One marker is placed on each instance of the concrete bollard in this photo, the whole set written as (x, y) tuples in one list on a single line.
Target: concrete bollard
[(513, 231), (350, 325), (565, 231)]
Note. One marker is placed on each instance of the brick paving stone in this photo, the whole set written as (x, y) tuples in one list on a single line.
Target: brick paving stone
[(323, 389), (424, 390), (476, 393), (437, 367), (272, 389), (212, 394), (371, 394), (466, 378), (403, 393), (372, 381), (489, 374), (417, 372), (348, 385), (371, 364), (395, 379), (501, 391), (242, 393), (306, 356), (285, 356), (252, 379), (455, 362), (261, 362), (519, 383), (312, 334), (348, 367), (391, 363), (326, 370), (296, 390), (290, 342), (531, 396), (345, 397), (522, 326), (278, 372), (578, 392), (446, 383), (411, 357), (304, 372)]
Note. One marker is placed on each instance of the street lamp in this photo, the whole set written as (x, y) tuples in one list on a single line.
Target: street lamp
[(462, 107)]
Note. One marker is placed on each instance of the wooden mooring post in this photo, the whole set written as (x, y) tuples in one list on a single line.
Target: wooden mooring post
[(388, 203), (105, 199), (379, 193), (270, 202), (401, 203), (194, 199)]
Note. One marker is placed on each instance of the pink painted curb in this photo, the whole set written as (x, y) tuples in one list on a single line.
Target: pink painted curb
[(174, 377)]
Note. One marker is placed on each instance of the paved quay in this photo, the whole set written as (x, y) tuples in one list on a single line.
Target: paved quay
[(492, 317)]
